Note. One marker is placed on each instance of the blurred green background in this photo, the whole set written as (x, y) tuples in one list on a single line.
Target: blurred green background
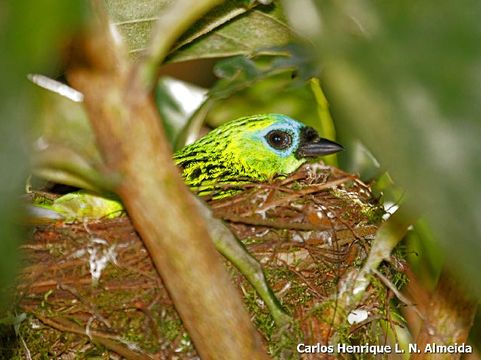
[(31, 36)]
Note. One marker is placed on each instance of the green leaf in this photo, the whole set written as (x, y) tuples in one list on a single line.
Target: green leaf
[(77, 206), (217, 17), (260, 31), (235, 74), (239, 72), (256, 86), (63, 143), (234, 27), (135, 19)]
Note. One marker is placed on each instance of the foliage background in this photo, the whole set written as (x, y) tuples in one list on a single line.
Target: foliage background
[(30, 32)]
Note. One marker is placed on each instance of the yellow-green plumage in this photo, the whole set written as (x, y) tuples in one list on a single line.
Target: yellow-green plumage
[(250, 149)]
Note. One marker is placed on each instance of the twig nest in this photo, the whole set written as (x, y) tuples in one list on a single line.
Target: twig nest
[(92, 288)]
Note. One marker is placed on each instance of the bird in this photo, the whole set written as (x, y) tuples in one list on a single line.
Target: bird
[(251, 149)]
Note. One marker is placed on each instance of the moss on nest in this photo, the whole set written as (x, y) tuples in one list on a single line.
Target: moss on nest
[(91, 288)]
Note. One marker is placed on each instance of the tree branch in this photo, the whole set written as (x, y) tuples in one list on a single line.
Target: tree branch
[(133, 145)]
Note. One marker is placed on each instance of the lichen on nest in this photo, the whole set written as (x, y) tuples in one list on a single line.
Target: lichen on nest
[(92, 287)]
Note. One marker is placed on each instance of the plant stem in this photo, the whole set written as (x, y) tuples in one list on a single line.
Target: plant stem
[(237, 254), (130, 135)]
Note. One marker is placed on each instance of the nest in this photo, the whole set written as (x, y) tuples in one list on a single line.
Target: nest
[(91, 288)]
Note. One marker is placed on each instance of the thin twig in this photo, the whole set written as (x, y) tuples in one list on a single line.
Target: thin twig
[(397, 293), (107, 340)]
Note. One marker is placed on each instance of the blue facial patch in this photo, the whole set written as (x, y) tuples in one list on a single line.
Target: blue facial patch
[(285, 124)]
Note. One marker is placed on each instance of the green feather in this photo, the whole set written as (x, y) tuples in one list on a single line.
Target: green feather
[(234, 154)]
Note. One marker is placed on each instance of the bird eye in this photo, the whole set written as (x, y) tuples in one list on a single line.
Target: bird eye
[(279, 140)]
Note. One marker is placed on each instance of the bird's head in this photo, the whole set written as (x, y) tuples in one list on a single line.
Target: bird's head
[(257, 147)]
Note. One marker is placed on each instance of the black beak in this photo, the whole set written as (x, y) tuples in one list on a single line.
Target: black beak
[(312, 145)]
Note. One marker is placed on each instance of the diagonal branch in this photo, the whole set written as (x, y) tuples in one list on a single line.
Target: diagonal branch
[(130, 136)]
